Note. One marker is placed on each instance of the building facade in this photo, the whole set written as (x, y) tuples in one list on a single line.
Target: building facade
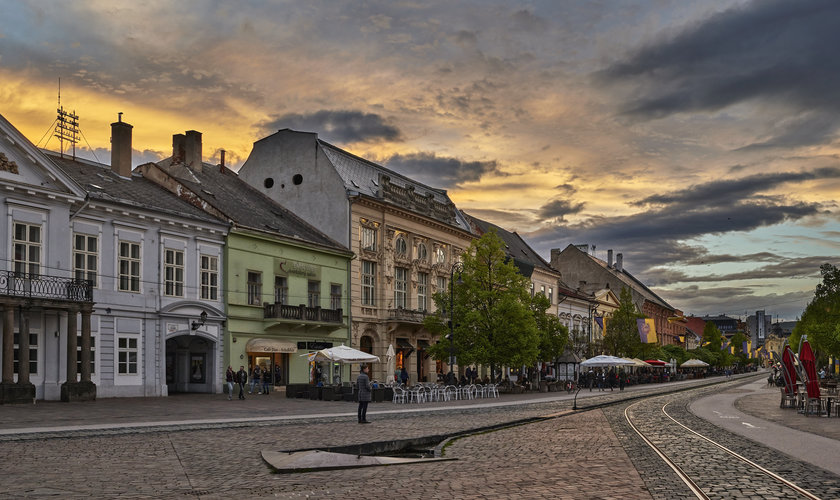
[(406, 237), (286, 292)]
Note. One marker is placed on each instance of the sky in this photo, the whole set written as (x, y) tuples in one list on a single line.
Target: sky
[(699, 139)]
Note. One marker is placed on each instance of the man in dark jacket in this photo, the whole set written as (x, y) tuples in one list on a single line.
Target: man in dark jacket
[(363, 386), (241, 379)]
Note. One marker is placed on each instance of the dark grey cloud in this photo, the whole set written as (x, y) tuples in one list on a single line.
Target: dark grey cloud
[(525, 20), (441, 171), (339, 126), (738, 301), (724, 191), (778, 268), (776, 51), (558, 209)]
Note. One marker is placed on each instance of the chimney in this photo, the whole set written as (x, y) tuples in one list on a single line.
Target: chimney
[(555, 255), (192, 150), (121, 147), (619, 262), (222, 160), (178, 141), (609, 258)]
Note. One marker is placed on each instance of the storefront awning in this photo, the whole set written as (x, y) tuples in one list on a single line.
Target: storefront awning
[(422, 344), (404, 344), (270, 345)]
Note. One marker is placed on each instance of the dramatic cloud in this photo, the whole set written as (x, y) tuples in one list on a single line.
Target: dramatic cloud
[(339, 126), (439, 171), (558, 209)]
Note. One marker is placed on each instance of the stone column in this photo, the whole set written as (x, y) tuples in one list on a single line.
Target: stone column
[(72, 333), (85, 345), (8, 344), (23, 349)]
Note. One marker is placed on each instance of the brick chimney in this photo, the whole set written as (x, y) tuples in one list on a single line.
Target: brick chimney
[(192, 150), (222, 160), (178, 147), (121, 147), (619, 262), (609, 258), (555, 254)]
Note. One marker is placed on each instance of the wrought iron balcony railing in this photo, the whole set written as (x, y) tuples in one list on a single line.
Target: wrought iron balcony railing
[(43, 286), (302, 313), (406, 315)]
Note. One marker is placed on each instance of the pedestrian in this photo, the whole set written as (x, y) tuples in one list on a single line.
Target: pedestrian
[(266, 381), (404, 376), (621, 380), (364, 390), (242, 379), (590, 379), (255, 379), (229, 377)]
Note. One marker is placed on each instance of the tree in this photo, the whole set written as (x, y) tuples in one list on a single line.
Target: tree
[(737, 341), (821, 319), (712, 338), (493, 320), (622, 335), (553, 334)]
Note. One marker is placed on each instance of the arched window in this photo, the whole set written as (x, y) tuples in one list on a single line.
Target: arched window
[(422, 252), (401, 247), (366, 344)]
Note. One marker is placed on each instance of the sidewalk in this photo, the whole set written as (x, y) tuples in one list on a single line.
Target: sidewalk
[(215, 409)]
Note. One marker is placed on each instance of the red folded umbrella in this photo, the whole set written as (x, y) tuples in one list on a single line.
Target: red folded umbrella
[(806, 357)]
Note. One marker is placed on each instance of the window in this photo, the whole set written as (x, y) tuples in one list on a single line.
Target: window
[(401, 248), (369, 238), (400, 286), (79, 354), (542, 290), (532, 289), (209, 277), (33, 353), (127, 355), (254, 288), (281, 290), (441, 284), (335, 297), (314, 293), (422, 252), (27, 248), (173, 273), (368, 282), (129, 267), (440, 255), (550, 295), (85, 257), (422, 291)]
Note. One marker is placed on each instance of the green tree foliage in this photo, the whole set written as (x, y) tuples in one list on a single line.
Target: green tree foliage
[(494, 322), (712, 338), (821, 319), (552, 333), (622, 335), (676, 352), (737, 341)]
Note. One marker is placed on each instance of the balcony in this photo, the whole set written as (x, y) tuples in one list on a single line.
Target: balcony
[(302, 313), (40, 286), (406, 315)]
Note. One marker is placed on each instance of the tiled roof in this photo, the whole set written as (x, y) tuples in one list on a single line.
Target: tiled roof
[(101, 183), (244, 205), (515, 246), (363, 176), (633, 283)]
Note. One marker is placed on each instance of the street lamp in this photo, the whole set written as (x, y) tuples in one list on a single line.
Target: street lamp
[(459, 267)]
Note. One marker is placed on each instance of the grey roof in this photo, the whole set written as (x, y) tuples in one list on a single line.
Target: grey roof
[(515, 246), (631, 281), (244, 205), (363, 176), (101, 183)]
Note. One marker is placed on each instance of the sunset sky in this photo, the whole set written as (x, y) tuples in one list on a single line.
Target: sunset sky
[(699, 139)]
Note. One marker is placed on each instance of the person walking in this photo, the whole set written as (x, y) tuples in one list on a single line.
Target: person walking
[(266, 381), (364, 390), (255, 379), (621, 380), (404, 376), (242, 379), (229, 377)]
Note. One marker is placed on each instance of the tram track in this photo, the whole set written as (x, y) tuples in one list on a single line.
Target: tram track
[(706, 467)]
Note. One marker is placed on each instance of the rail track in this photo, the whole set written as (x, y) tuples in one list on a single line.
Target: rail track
[(708, 468)]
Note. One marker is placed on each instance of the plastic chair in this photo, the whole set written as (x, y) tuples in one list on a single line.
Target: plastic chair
[(399, 395)]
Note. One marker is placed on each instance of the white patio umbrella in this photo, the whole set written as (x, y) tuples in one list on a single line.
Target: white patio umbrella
[(605, 360), (342, 354), (391, 356), (694, 363)]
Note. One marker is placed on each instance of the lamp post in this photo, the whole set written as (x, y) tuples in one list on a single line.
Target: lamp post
[(459, 267)]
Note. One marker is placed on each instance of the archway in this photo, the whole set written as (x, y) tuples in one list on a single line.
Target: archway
[(190, 364)]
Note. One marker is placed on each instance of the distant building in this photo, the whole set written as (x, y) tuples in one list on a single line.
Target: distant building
[(758, 328)]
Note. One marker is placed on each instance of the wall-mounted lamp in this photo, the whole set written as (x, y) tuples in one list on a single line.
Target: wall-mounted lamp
[(197, 324), (107, 310), (234, 340)]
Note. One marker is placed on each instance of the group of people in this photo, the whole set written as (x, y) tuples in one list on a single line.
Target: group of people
[(259, 378), (604, 380)]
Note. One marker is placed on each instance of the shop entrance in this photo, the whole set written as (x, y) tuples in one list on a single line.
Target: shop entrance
[(190, 365), (277, 364)]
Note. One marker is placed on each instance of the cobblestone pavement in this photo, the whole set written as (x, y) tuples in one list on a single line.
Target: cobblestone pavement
[(576, 456), (717, 473)]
